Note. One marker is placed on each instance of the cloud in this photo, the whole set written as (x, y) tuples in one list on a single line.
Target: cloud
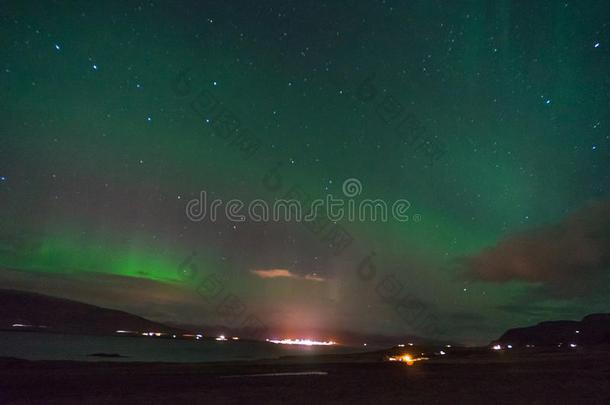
[(273, 273), (566, 260), (284, 273)]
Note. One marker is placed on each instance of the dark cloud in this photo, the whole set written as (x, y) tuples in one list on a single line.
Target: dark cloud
[(568, 260)]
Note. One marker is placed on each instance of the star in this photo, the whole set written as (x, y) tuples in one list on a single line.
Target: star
[(94, 66), (2, 178), (58, 47), (596, 45), (594, 147), (149, 119)]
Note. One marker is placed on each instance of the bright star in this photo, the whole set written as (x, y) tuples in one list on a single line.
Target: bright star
[(57, 47), (596, 45), (594, 147), (148, 119), (94, 66)]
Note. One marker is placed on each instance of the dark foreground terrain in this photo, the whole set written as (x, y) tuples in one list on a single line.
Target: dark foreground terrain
[(575, 378)]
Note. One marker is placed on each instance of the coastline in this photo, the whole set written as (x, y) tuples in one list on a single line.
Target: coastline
[(539, 378)]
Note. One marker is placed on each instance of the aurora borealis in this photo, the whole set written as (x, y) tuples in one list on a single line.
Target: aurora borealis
[(491, 118)]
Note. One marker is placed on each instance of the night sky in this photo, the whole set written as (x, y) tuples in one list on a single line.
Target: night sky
[(491, 118)]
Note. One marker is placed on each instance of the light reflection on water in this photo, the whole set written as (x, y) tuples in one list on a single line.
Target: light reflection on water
[(48, 346)]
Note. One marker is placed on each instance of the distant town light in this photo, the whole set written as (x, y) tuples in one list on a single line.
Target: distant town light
[(497, 347), (221, 338), (406, 358), (302, 342)]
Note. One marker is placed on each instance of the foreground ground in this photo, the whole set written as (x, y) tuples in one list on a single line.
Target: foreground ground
[(541, 379)]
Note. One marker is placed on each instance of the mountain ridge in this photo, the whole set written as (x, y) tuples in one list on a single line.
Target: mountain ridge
[(592, 329), (30, 311)]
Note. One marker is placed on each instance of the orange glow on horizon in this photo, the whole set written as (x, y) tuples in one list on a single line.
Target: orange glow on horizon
[(406, 358)]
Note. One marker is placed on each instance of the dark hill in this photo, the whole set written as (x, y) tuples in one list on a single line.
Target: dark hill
[(592, 330), (21, 310)]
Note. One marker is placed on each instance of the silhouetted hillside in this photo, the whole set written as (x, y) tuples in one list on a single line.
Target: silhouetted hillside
[(21, 310), (594, 329)]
